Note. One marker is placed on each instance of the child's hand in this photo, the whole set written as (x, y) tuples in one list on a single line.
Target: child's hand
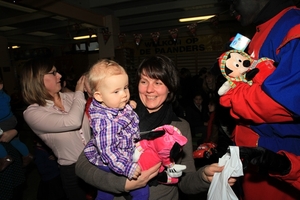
[(7, 136), (132, 104), (137, 172)]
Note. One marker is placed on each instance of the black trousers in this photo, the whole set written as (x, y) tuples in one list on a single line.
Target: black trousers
[(74, 187)]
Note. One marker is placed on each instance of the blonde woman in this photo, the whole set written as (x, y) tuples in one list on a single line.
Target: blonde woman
[(57, 118)]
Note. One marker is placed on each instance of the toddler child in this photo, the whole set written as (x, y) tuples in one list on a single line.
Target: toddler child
[(115, 125)]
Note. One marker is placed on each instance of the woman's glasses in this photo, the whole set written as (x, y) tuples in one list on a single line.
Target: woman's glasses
[(54, 72)]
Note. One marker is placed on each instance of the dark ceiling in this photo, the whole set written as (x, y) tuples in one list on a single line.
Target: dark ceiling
[(55, 23)]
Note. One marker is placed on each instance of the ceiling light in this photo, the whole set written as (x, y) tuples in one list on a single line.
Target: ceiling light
[(196, 18), (14, 47), (84, 37)]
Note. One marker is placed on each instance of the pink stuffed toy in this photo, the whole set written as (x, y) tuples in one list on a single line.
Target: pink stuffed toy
[(162, 149)]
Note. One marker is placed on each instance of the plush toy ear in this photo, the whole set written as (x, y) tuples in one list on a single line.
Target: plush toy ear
[(228, 71), (161, 177), (150, 135), (176, 149)]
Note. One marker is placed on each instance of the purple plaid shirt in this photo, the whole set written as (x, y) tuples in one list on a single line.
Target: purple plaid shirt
[(114, 131)]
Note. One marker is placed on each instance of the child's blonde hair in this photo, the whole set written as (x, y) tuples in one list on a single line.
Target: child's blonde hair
[(102, 69)]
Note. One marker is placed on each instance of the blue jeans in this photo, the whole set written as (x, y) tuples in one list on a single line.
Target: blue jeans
[(138, 194)]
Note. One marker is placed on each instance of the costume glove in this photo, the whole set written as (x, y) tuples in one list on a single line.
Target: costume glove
[(250, 75), (266, 160)]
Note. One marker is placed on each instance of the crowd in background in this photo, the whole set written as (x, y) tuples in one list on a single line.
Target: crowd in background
[(198, 103)]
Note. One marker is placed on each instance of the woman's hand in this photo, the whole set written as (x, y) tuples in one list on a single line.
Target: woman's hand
[(231, 181), (143, 179), (80, 84), (210, 170), (7, 136)]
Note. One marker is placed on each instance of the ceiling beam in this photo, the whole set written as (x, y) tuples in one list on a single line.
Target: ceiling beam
[(163, 7), (40, 27), (24, 18), (67, 10), (97, 3)]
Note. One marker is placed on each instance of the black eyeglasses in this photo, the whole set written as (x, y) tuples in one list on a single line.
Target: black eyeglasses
[(54, 72)]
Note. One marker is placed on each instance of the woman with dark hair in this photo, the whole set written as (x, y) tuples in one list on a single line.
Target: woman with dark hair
[(157, 85)]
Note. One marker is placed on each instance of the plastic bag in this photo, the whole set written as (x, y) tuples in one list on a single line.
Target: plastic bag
[(219, 188)]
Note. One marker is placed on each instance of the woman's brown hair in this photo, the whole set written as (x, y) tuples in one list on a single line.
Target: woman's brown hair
[(32, 80)]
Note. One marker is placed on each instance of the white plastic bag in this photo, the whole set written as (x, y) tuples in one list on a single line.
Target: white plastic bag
[(219, 188)]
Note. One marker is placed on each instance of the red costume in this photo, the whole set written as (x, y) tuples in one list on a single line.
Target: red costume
[(266, 112)]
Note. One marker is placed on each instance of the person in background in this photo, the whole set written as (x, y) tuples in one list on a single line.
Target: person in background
[(186, 86), (267, 113), (197, 115), (57, 118), (209, 88), (212, 129), (198, 78), (158, 82), (63, 82), (8, 122), (13, 177), (50, 186), (114, 124)]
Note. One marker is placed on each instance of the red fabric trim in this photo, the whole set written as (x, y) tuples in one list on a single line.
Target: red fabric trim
[(87, 106)]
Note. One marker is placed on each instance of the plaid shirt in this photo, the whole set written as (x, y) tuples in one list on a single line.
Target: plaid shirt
[(114, 131)]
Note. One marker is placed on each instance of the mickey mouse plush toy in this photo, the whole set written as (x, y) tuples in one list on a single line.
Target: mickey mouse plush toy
[(238, 68)]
